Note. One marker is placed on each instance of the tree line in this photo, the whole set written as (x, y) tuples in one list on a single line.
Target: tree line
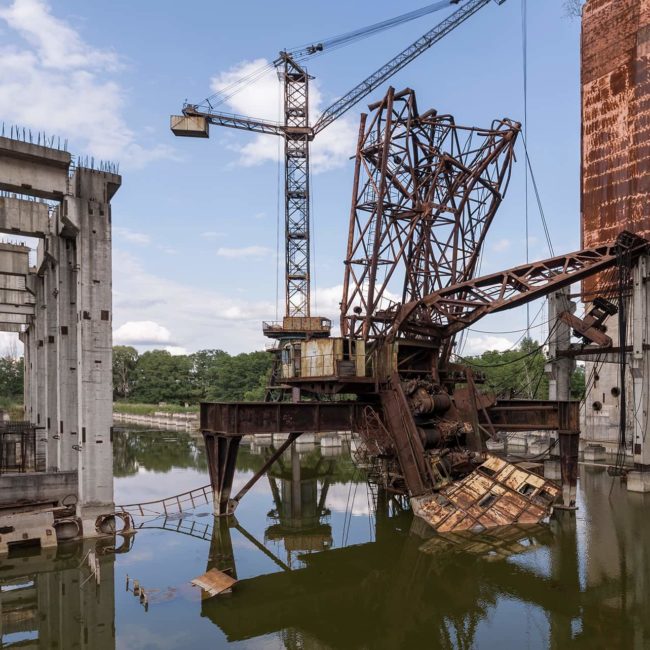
[(214, 375), (519, 373), (208, 375)]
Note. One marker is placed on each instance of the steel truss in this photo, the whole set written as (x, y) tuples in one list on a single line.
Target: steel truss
[(425, 193)]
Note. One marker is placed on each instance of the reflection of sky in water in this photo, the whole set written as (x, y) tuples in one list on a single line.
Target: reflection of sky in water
[(561, 589)]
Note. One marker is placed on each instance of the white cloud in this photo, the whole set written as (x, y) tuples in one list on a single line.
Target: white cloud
[(132, 236), (144, 332), (175, 350), (199, 318), (57, 83), (263, 99), (244, 251), (212, 234), (58, 45), (477, 344), (501, 245)]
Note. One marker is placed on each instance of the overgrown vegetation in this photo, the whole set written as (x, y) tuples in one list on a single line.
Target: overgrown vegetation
[(212, 375), (519, 373)]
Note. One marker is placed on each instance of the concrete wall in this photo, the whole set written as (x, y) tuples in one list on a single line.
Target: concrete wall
[(68, 339), (41, 487)]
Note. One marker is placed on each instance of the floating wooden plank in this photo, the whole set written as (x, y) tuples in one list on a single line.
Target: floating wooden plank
[(496, 494), (214, 582)]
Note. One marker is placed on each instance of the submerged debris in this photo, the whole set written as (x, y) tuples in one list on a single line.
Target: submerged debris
[(214, 582), (496, 493)]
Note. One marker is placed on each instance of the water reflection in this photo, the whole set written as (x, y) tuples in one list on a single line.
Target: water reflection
[(318, 568), (51, 599)]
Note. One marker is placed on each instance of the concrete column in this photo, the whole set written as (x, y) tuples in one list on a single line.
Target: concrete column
[(559, 369), (69, 428), (40, 367), (50, 343), (640, 362), (94, 342)]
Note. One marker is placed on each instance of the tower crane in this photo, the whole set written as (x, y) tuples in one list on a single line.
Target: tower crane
[(298, 133)]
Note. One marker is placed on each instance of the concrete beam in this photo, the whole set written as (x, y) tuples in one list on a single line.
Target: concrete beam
[(13, 282), (33, 170), (11, 327), (25, 310), (16, 297), (14, 259), (15, 319), (21, 217)]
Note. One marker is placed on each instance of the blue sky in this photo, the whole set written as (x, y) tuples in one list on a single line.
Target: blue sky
[(195, 220)]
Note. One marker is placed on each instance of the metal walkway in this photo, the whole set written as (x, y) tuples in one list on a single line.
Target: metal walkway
[(170, 505)]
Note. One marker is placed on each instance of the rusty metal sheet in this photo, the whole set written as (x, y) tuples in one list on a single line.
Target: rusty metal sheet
[(496, 494), (249, 418), (497, 544), (532, 415), (615, 117), (214, 582)]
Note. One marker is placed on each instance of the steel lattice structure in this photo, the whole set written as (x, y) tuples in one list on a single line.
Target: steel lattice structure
[(425, 193), (296, 191)]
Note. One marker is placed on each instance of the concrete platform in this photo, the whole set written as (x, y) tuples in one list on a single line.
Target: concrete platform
[(638, 481), (594, 453)]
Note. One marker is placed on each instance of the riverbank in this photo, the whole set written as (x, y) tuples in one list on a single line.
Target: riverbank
[(183, 421)]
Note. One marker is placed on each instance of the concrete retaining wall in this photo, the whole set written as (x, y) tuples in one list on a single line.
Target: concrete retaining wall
[(36, 487)]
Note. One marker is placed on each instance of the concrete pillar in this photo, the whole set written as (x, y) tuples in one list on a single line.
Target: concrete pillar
[(50, 344), (559, 369), (69, 430), (39, 368), (94, 341)]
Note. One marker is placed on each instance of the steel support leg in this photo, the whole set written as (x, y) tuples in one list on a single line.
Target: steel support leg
[(222, 460), (569, 447)]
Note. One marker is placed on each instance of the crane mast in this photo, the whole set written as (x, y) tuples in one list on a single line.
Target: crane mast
[(296, 188), (298, 134)]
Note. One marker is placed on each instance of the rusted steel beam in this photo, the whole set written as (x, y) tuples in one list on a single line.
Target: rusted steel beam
[(250, 418), (454, 308), (222, 460), (262, 470), (532, 415), (401, 427)]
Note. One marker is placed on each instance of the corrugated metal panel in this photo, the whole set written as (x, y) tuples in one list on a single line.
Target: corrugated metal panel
[(616, 122)]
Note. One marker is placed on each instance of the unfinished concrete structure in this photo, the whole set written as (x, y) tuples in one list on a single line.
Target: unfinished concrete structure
[(62, 308), (616, 196)]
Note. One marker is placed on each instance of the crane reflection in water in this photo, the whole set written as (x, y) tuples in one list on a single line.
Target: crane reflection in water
[(583, 581)]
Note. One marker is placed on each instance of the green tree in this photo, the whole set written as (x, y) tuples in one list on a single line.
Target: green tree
[(578, 383), (11, 378), (514, 373), (125, 360), (161, 377), (242, 377)]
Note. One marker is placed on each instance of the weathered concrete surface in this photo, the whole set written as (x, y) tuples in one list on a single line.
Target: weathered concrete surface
[(21, 217), (14, 259), (63, 306), (36, 487), (32, 169), (26, 527), (615, 121), (638, 481)]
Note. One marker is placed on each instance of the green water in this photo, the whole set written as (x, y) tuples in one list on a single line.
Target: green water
[(323, 563)]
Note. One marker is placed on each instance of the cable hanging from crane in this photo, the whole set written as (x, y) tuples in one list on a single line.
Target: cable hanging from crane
[(329, 44), (324, 46)]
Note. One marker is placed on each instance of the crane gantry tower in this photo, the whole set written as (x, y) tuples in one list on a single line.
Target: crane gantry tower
[(298, 135)]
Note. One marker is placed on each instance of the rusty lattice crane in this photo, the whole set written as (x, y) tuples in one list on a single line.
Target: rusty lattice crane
[(298, 133), (425, 193)]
